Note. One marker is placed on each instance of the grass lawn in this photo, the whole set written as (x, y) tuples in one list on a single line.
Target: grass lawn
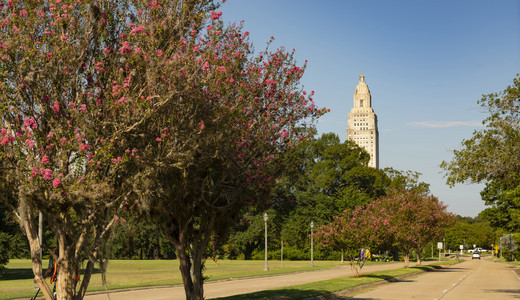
[(17, 281)]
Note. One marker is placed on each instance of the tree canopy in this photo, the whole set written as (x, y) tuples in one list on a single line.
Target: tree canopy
[(492, 156)]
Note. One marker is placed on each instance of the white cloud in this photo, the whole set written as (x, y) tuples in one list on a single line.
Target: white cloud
[(445, 124)]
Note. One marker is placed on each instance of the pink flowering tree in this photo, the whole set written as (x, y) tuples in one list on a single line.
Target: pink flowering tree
[(218, 147), (353, 231), (415, 219), (81, 83)]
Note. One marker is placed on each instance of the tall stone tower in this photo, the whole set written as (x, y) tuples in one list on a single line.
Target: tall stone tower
[(362, 123)]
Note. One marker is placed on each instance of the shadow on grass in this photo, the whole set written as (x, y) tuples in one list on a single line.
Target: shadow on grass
[(27, 273), (383, 277), (428, 268), (278, 294)]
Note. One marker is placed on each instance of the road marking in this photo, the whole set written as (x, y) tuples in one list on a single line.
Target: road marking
[(515, 274), (445, 292)]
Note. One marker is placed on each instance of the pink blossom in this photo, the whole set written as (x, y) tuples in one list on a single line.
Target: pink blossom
[(206, 66), (30, 122), (126, 48), (160, 53), (34, 172), (201, 125), (158, 139), (215, 15), (47, 174), (29, 143), (84, 147), (15, 28), (45, 160), (56, 183), (56, 106)]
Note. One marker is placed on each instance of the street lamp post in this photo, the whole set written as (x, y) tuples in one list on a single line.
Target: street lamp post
[(312, 246), (444, 246), (266, 268)]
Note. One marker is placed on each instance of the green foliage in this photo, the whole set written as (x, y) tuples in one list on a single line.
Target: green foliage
[(470, 231), (492, 156), (139, 239), (322, 178), (330, 177), (406, 180), (4, 250)]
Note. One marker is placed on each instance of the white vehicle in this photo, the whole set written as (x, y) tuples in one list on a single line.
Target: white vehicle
[(478, 249), (476, 255)]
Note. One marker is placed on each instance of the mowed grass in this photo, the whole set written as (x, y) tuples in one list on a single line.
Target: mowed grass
[(17, 281)]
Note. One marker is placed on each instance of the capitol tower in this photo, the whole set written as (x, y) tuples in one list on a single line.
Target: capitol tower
[(362, 123)]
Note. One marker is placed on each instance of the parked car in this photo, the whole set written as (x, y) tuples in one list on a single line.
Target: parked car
[(475, 255)]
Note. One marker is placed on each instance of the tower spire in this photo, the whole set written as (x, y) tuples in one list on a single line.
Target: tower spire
[(362, 122)]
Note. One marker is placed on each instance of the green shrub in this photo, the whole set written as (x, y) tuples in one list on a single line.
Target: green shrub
[(4, 250)]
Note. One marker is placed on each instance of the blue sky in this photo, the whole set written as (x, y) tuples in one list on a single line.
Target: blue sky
[(426, 64)]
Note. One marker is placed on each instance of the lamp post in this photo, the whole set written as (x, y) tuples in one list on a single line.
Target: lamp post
[(444, 246), (312, 246), (266, 268)]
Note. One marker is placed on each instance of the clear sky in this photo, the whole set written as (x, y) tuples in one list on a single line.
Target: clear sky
[(426, 64)]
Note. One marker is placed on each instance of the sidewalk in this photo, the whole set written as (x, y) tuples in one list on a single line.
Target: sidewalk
[(224, 288)]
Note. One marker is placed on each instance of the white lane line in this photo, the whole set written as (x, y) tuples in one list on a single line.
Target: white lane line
[(515, 274), (445, 292)]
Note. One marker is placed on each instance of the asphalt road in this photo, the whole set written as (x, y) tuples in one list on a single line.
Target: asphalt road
[(472, 279), (215, 289)]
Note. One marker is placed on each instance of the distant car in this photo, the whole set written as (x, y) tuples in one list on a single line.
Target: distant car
[(475, 255)]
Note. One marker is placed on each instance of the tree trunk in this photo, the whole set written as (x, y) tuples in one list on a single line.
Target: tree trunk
[(406, 259), (185, 268), (34, 245), (419, 252), (191, 266), (86, 279), (66, 283), (354, 267), (66, 269), (198, 279)]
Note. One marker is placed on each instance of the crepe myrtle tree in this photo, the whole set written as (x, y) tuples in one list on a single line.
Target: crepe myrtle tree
[(415, 218), (361, 228), (218, 147), (73, 102)]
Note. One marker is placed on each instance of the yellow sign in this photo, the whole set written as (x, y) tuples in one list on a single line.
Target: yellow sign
[(496, 249)]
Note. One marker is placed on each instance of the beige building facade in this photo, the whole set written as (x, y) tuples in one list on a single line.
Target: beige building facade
[(362, 123)]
